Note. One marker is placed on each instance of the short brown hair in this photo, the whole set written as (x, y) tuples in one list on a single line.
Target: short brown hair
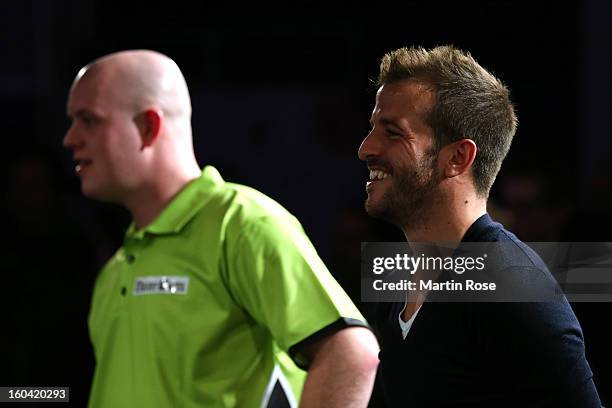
[(469, 103)]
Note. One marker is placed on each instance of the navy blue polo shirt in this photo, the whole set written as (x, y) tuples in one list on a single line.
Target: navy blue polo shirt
[(488, 354)]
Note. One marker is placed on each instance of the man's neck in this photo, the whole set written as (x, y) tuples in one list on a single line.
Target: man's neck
[(443, 224), (447, 223), (146, 205)]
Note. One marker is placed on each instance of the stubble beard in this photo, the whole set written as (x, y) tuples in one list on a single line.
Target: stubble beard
[(413, 192)]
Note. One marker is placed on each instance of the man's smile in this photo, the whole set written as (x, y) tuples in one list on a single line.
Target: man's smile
[(376, 176)]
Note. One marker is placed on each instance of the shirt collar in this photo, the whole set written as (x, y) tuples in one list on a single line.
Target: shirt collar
[(478, 228), (183, 206)]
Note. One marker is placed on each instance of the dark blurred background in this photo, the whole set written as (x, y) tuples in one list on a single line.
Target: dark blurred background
[(281, 101)]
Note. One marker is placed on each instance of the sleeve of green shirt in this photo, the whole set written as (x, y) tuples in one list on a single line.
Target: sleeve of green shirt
[(277, 276)]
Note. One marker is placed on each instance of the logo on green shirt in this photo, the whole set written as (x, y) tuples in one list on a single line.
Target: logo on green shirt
[(164, 285)]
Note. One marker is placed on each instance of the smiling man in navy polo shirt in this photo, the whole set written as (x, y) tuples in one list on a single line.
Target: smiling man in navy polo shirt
[(441, 127)]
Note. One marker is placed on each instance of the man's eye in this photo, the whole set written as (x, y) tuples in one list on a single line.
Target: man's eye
[(88, 121), (392, 133)]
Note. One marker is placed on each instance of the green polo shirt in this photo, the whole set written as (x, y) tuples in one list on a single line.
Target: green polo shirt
[(209, 304)]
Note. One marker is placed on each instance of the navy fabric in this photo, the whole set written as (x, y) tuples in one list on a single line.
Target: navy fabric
[(488, 354)]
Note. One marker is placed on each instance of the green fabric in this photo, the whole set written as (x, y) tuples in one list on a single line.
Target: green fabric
[(256, 287)]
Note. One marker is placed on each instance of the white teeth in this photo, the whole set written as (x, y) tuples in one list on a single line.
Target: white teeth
[(378, 175)]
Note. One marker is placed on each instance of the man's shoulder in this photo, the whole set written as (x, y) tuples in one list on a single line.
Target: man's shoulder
[(220, 198), (518, 270), (517, 253), (237, 208), (508, 248), (254, 202)]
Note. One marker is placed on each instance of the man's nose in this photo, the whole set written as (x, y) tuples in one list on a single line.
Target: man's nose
[(368, 147), (71, 139)]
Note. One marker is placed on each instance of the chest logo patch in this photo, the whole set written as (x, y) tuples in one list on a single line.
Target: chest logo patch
[(161, 285)]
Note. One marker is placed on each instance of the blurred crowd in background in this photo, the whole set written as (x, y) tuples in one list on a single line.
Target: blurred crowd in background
[(281, 101)]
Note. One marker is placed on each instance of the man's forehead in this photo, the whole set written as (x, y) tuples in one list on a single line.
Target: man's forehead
[(90, 87), (82, 92), (407, 88), (89, 73), (405, 95)]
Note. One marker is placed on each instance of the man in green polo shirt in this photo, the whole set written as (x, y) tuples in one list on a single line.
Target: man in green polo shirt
[(217, 298)]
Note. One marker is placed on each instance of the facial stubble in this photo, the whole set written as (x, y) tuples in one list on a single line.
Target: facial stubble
[(412, 194)]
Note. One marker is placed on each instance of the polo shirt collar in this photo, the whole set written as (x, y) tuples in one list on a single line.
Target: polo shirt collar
[(183, 207)]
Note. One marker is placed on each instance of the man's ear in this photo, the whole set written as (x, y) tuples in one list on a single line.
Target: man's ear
[(149, 125), (458, 157)]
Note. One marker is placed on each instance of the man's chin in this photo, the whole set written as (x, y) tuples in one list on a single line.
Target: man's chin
[(369, 206), (381, 211), (96, 194), (375, 210)]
